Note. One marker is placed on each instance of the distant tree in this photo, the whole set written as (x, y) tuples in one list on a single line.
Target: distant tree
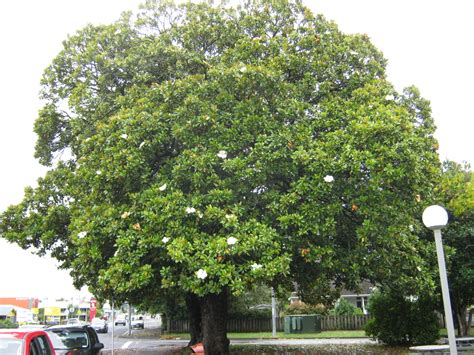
[(457, 194), (199, 149)]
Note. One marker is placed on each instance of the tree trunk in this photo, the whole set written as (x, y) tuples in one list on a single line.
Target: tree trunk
[(194, 313), (214, 323), (461, 313), (468, 328)]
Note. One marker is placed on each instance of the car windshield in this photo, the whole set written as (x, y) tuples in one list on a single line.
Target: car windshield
[(69, 339), (10, 346)]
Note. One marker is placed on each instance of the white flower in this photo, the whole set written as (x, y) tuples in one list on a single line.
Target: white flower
[(222, 154), (231, 240), (82, 234), (125, 215), (329, 178), (162, 187), (200, 214), (124, 135), (411, 228), (98, 172), (201, 274), (141, 144), (190, 210), (389, 97), (256, 266), (230, 217), (243, 69), (165, 240)]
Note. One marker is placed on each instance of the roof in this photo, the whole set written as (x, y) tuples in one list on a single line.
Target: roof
[(70, 327), (18, 334), (365, 288)]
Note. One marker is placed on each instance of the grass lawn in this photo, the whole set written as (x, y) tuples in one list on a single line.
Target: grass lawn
[(444, 332), (281, 335)]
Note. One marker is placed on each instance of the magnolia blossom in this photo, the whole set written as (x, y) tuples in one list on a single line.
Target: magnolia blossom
[(124, 135), (222, 154), (231, 240), (411, 228), (165, 240), (389, 97), (162, 187), (190, 210), (329, 178), (243, 69), (256, 266), (98, 172), (82, 234), (125, 215), (137, 226), (201, 274)]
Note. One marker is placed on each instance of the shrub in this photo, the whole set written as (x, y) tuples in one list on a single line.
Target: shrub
[(7, 323), (304, 308), (344, 308), (400, 320)]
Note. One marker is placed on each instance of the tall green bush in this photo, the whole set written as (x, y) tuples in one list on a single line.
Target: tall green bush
[(401, 320), (344, 308)]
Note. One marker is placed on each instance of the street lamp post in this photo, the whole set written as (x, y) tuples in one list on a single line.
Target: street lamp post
[(435, 218)]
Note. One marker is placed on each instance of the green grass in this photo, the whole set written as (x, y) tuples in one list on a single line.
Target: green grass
[(444, 332), (281, 335)]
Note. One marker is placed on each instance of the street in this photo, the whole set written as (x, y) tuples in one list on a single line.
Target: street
[(138, 339)]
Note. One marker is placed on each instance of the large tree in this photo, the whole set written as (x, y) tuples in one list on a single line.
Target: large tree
[(199, 149)]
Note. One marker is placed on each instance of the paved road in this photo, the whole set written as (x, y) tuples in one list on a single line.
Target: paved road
[(123, 338)]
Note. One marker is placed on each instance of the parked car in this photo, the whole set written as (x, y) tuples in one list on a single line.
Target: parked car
[(69, 339), (25, 342), (100, 325), (32, 326), (138, 322), (120, 320), (73, 321)]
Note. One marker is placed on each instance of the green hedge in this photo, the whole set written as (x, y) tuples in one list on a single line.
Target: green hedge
[(6, 323), (400, 320)]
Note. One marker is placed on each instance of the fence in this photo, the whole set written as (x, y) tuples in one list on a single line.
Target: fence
[(265, 324)]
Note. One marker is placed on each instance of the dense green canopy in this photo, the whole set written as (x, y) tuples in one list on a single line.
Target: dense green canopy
[(200, 147), (456, 193)]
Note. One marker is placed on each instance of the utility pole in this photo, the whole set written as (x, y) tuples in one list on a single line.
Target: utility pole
[(113, 324), (273, 313)]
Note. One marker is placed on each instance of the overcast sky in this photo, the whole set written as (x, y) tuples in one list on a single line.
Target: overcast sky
[(428, 43)]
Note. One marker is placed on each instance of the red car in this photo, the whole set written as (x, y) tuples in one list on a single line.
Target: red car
[(25, 342)]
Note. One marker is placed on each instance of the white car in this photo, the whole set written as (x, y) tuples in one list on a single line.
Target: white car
[(120, 320), (73, 321), (100, 325), (138, 322)]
